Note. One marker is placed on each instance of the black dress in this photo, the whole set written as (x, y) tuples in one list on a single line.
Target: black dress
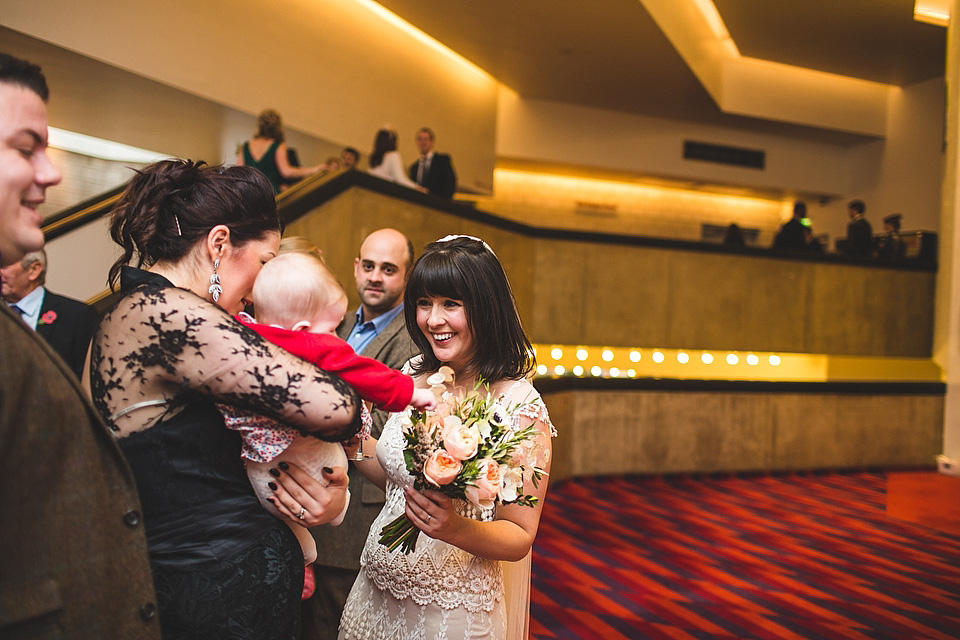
[(222, 566)]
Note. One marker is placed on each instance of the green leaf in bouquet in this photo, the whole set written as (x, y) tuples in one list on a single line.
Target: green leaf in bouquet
[(410, 461)]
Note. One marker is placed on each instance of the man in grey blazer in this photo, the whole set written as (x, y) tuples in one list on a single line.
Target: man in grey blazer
[(375, 330), (74, 558)]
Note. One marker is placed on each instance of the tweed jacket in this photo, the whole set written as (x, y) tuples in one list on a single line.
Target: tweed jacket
[(340, 546), (72, 329), (74, 558)]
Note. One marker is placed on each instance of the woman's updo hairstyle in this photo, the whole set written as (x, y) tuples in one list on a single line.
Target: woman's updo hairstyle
[(465, 269), (170, 206), (270, 125)]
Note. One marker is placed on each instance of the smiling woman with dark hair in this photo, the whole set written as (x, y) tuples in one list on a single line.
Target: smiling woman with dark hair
[(465, 269), (469, 575), (161, 359)]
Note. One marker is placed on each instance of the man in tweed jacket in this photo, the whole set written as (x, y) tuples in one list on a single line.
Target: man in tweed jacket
[(74, 554), (377, 331)]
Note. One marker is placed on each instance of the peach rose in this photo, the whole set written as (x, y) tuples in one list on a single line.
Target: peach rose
[(460, 442), (487, 485), (441, 468)]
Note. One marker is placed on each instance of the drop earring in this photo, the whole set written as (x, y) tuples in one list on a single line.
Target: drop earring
[(215, 288)]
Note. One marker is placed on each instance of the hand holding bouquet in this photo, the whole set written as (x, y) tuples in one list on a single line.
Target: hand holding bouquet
[(468, 449)]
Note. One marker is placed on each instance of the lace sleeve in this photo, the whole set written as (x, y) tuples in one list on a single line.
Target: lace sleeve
[(159, 345), (528, 409)]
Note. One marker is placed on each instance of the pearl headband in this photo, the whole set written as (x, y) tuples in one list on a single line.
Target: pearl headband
[(455, 236)]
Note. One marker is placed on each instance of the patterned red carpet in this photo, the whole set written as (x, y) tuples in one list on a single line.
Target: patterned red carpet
[(739, 556)]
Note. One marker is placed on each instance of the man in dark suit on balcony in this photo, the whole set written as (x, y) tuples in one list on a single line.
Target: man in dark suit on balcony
[(859, 232), (433, 171), (66, 324), (793, 234)]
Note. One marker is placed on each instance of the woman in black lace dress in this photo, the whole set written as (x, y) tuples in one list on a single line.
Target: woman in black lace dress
[(163, 355)]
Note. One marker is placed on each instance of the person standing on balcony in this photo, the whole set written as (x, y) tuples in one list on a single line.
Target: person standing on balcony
[(385, 161), (433, 171), (859, 232), (267, 151)]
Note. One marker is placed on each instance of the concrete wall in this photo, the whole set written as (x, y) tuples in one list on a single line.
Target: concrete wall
[(611, 432), (623, 295), (582, 292)]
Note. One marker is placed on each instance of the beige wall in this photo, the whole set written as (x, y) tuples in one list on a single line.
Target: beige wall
[(581, 292), (611, 432), (901, 173), (630, 296), (97, 99), (360, 72), (585, 202), (334, 70), (228, 60)]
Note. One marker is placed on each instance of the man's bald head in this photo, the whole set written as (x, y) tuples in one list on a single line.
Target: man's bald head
[(380, 270)]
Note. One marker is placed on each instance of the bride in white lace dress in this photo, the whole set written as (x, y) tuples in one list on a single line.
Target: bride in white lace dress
[(469, 576)]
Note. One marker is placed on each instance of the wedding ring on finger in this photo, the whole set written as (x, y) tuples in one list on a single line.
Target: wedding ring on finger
[(303, 513), (428, 518)]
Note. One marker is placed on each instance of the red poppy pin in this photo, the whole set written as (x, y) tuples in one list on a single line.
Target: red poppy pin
[(49, 317)]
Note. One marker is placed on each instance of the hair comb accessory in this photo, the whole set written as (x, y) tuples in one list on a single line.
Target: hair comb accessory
[(460, 235), (215, 288)]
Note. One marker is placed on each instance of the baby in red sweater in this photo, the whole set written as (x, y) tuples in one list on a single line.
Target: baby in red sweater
[(298, 304)]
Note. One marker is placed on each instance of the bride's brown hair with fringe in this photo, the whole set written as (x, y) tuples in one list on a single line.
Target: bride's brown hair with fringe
[(465, 269)]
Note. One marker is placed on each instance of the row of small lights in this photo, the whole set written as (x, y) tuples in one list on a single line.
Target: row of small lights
[(658, 357)]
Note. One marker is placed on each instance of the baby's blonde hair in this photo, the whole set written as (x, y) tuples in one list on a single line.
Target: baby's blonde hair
[(301, 244), (294, 287)]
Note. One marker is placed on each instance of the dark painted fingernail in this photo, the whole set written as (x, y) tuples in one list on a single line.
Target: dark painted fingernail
[(274, 473), (272, 485), (327, 470), (284, 466)]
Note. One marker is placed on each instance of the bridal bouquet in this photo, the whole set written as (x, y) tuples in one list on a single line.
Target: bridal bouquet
[(467, 449)]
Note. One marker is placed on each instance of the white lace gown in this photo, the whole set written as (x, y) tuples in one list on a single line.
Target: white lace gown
[(438, 591)]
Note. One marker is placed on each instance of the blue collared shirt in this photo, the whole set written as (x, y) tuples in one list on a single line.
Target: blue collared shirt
[(364, 332), (30, 305)]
